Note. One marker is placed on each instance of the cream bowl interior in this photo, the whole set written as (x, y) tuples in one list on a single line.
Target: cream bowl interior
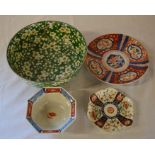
[(51, 111)]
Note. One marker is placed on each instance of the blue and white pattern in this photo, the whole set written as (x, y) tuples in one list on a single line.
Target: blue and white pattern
[(38, 94)]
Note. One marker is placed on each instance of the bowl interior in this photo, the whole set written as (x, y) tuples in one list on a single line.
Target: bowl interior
[(47, 51), (51, 111)]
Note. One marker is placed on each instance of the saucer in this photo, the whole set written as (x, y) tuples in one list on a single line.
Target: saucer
[(117, 59), (110, 110), (51, 110), (47, 53)]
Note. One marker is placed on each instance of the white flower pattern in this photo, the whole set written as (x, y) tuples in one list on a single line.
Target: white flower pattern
[(54, 50)]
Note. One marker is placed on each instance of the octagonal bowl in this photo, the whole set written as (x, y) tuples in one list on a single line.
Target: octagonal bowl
[(51, 110), (47, 53), (110, 110)]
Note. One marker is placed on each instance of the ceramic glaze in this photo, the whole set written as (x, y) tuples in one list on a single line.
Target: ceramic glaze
[(51, 103), (51, 110), (110, 110), (117, 59), (47, 53)]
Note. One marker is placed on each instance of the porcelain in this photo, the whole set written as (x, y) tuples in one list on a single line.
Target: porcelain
[(110, 110), (117, 59), (51, 110), (47, 53)]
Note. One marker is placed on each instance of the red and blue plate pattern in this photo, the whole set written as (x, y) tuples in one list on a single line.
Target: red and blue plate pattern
[(117, 58)]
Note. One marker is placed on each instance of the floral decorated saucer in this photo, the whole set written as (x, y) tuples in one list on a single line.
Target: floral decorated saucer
[(110, 110), (51, 110), (47, 53), (117, 59)]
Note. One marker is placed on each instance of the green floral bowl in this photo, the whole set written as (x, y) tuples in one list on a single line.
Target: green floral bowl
[(47, 53)]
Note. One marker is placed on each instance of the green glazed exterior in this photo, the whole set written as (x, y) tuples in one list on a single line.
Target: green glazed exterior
[(47, 53)]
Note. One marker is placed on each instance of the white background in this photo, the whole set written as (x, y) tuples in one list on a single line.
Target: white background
[(15, 92)]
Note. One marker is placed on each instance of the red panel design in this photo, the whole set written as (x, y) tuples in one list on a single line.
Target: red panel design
[(29, 109), (51, 90), (50, 131), (73, 109), (93, 45)]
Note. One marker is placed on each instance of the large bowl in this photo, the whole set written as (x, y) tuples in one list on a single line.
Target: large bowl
[(47, 53)]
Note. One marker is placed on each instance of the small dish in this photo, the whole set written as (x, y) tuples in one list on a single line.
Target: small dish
[(51, 110), (117, 59), (110, 110), (47, 53)]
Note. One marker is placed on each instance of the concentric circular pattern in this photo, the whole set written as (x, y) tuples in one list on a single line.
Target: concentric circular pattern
[(48, 53), (116, 58), (110, 110)]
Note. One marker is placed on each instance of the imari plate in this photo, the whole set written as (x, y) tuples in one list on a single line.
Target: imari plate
[(47, 53), (117, 59), (110, 110), (51, 110)]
